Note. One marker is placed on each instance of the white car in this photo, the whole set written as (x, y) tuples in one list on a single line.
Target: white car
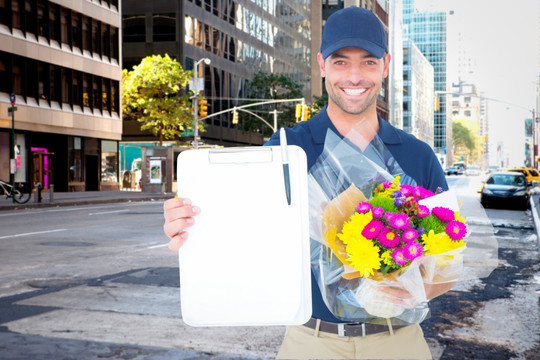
[(473, 170)]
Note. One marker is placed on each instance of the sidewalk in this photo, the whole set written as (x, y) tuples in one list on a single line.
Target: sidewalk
[(82, 198)]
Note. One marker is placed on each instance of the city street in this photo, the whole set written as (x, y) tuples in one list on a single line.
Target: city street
[(97, 281)]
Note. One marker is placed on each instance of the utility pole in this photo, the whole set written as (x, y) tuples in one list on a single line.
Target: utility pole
[(12, 161), (196, 89)]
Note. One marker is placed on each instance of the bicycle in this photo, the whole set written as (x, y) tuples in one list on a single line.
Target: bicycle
[(19, 195)]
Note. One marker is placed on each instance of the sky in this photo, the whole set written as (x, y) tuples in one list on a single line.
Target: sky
[(502, 38)]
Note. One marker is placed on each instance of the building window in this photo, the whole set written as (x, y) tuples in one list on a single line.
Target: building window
[(66, 86), (43, 21), (115, 96), (86, 34), (15, 14), (109, 161), (134, 28), (164, 27), (87, 90), (64, 26), (43, 81), (96, 93), (96, 37), (105, 40), (30, 17), (75, 159), (54, 22), (76, 88), (105, 94), (4, 13), (76, 39)]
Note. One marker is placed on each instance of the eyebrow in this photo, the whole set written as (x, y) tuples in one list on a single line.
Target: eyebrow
[(337, 55)]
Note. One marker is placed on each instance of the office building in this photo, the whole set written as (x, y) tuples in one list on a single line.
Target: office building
[(418, 93), (427, 30), (240, 37), (61, 60)]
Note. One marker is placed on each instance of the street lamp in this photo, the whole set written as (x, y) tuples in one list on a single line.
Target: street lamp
[(196, 101)]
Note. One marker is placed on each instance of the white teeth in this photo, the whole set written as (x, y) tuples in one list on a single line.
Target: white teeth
[(354, 91)]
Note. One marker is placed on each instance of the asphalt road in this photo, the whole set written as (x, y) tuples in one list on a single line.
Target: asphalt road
[(97, 282)]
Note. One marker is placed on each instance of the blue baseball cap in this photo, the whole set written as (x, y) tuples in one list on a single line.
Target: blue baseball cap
[(353, 26)]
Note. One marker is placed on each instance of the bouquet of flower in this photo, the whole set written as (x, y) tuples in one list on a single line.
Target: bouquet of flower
[(377, 238), (386, 234)]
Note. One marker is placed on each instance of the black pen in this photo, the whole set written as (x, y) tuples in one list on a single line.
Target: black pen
[(285, 161)]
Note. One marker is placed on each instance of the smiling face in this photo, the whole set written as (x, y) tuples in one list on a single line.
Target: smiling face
[(353, 80)]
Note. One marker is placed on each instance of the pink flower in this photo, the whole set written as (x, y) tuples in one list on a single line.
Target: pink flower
[(423, 211), (422, 193), (388, 238), (399, 257), (372, 229), (388, 216), (444, 214), (400, 221), (410, 235), (412, 250), (456, 230), (406, 190), (377, 211), (387, 184), (363, 207)]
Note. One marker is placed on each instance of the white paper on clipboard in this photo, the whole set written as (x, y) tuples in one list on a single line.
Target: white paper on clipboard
[(246, 261)]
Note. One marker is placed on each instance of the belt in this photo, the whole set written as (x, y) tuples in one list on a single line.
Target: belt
[(351, 329)]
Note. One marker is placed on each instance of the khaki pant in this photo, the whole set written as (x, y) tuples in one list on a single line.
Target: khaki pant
[(301, 342)]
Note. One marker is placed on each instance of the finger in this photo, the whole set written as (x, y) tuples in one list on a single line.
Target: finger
[(174, 227), (176, 241)]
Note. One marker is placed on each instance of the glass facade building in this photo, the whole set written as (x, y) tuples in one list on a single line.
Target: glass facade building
[(427, 30), (61, 60), (240, 37)]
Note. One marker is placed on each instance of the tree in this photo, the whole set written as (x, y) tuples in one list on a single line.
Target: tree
[(464, 139), (152, 94), (271, 87)]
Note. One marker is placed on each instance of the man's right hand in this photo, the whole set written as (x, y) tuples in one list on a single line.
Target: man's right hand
[(179, 215)]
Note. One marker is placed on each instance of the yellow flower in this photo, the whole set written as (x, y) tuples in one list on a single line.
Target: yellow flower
[(364, 257), (439, 243), (387, 257), (352, 229)]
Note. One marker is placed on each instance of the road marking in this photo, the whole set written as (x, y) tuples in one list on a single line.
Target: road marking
[(107, 212), (32, 233), (157, 246)]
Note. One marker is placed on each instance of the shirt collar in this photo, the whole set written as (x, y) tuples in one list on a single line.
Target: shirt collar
[(321, 122)]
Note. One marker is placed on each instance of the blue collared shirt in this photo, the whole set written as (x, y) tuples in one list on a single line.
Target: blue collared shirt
[(416, 159)]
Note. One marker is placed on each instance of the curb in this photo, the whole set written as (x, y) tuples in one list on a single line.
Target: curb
[(80, 202), (536, 219)]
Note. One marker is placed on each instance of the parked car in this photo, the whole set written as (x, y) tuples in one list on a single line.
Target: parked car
[(530, 173), (473, 170), (454, 170), (505, 189)]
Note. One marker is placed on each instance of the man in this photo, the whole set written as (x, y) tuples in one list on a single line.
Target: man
[(354, 61)]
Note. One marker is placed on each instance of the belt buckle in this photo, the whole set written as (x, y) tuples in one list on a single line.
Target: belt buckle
[(342, 329)]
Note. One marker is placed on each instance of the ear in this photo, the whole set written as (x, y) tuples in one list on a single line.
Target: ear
[(321, 64), (387, 59)]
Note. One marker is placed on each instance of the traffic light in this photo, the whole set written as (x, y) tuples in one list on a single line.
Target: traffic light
[(298, 112), (203, 108), (306, 114), (235, 117)]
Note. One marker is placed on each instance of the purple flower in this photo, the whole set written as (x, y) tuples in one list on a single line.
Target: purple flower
[(397, 194), (456, 230), (410, 235), (420, 231), (372, 229), (444, 214), (363, 207), (398, 201)]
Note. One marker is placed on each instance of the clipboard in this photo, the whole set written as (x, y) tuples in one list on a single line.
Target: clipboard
[(247, 259)]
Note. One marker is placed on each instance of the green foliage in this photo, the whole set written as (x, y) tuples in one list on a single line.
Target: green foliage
[(384, 202), (431, 222), (152, 93), (464, 139), (320, 102), (269, 87)]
